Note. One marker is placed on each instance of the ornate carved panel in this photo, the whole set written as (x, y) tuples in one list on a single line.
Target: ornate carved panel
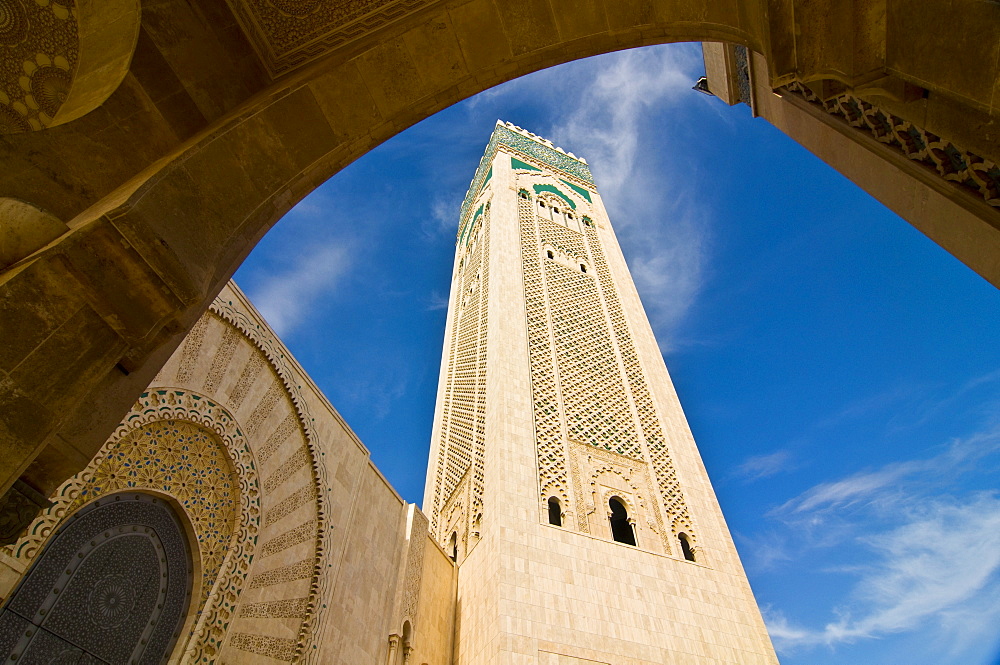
[(289, 33), (187, 446), (39, 48)]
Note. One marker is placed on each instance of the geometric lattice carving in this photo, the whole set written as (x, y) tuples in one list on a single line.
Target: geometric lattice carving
[(674, 506), (546, 400), (460, 472), (588, 386)]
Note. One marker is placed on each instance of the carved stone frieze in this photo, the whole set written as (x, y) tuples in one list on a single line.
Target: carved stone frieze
[(289, 33), (977, 175)]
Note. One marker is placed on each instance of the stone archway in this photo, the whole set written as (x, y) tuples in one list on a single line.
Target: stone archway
[(113, 585), (172, 181)]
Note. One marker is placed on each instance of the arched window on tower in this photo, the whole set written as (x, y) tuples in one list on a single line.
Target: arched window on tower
[(407, 639), (621, 529), (453, 546), (686, 546), (555, 511)]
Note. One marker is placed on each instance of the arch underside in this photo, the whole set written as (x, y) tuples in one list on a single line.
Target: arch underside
[(223, 122)]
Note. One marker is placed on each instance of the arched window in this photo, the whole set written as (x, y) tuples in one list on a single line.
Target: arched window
[(583, 268), (453, 546), (549, 254), (407, 633), (555, 511), (686, 546), (621, 530)]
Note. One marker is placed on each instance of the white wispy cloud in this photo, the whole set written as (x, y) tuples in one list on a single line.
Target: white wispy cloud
[(286, 298), (765, 466), (943, 555), (663, 232), (925, 555), (895, 480)]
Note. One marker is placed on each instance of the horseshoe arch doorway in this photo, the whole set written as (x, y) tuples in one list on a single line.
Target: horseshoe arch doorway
[(113, 585)]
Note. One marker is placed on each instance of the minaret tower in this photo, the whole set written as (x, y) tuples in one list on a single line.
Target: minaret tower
[(563, 477)]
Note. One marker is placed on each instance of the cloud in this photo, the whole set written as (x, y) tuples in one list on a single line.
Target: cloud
[(438, 301), (896, 480), (942, 556), (286, 299), (765, 466), (921, 556), (663, 230)]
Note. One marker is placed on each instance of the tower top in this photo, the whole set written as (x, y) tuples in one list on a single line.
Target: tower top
[(535, 137), (527, 144)]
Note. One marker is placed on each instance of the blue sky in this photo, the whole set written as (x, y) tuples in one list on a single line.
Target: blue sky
[(841, 373)]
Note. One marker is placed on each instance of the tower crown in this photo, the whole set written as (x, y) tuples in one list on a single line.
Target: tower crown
[(531, 146)]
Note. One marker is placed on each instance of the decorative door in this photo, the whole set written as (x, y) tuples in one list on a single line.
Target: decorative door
[(113, 585)]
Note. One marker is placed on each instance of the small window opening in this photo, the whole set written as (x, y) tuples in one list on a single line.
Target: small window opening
[(541, 204), (686, 546), (583, 268), (569, 215), (621, 530), (453, 547), (555, 511), (549, 254), (555, 210)]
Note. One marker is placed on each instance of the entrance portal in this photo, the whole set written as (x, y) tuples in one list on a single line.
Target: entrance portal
[(113, 586)]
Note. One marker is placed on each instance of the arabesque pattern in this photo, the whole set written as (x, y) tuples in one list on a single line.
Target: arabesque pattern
[(977, 175), (40, 44)]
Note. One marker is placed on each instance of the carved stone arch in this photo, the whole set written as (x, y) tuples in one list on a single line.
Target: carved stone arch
[(222, 574), (602, 469), (65, 59), (265, 342)]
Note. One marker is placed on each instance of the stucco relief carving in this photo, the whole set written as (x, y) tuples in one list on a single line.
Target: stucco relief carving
[(235, 314), (414, 567), (975, 174), (44, 80), (289, 33), (42, 48), (599, 475), (189, 447)]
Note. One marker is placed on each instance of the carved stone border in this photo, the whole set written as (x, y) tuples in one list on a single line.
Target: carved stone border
[(977, 175), (597, 461), (175, 404), (265, 341)]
